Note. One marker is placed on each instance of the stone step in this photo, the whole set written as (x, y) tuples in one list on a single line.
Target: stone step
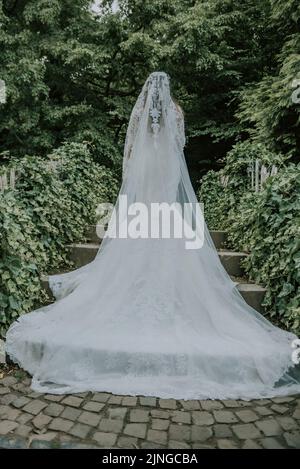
[(232, 262), (45, 284), (82, 254), (218, 237), (91, 234), (252, 294)]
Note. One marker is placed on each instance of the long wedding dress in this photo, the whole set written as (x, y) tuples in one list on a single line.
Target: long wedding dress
[(148, 316)]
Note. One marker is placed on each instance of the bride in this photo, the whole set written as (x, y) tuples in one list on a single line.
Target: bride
[(149, 316)]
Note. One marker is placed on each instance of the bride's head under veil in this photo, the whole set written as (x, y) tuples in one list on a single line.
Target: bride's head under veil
[(154, 144)]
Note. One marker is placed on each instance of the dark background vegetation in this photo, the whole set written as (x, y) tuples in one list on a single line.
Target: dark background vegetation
[(72, 75)]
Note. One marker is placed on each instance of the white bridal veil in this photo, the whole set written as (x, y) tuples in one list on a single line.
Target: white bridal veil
[(148, 316)]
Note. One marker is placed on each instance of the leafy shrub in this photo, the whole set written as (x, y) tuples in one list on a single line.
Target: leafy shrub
[(87, 182), (61, 194), (48, 204), (211, 194), (102, 147), (265, 224), (54, 200), (20, 252), (222, 199)]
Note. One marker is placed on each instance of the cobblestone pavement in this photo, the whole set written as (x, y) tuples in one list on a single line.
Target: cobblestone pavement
[(103, 420)]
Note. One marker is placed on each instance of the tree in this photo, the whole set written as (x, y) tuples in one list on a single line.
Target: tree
[(74, 76), (267, 109)]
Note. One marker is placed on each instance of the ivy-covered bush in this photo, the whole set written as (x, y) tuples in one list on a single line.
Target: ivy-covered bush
[(265, 224), (211, 195), (54, 200), (102, 146), (20, 253), (48, 203), (86, 181), (221, 191)]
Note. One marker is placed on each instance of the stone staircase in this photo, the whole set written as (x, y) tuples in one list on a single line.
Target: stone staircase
[(82, 254)]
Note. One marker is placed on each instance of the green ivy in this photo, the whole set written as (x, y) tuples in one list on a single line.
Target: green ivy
[(268, 226), (20, 252), (264, 224), (54, 200), (211, 194), (221, 200)]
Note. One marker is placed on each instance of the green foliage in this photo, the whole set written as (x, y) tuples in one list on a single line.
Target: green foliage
[(20, 251), (73, 76), (267, 110), (265, 224), (55, 199), (211, 195), (86, 182), (48, 204), (221, 199), (215, 47), (52, 67)]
